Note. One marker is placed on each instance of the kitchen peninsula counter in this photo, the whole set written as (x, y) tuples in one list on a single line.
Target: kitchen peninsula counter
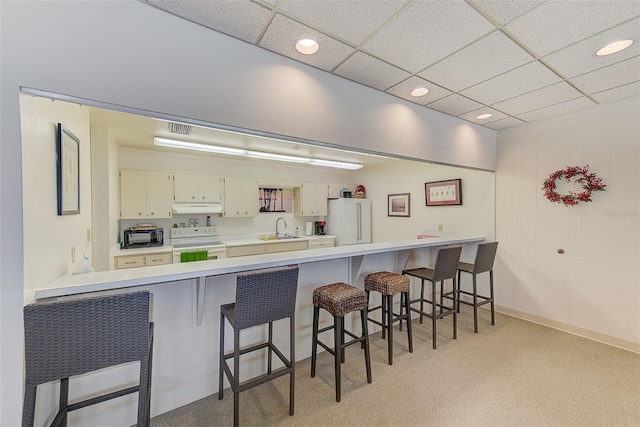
[(122, 279)]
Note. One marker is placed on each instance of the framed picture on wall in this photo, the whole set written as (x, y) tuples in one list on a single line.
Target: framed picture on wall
[(399, 205), (443, 193), (68, 171)]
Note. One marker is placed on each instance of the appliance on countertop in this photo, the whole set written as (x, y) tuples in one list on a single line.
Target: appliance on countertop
[(142, 236), (350, 220), (320, 228), (196, 244), (196, 208)]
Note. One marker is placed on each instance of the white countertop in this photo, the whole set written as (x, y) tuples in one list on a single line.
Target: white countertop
[(258, 241), (117, 251), (120, 279)]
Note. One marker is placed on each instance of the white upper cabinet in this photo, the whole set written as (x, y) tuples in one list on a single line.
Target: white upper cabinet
[(191, 188), (240, 196), (145, 194), (310, 199)]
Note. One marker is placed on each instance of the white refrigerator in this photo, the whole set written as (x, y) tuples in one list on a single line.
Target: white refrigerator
[(350, 221)]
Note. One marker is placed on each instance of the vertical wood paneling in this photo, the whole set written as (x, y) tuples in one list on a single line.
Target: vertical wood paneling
[(595, 284)]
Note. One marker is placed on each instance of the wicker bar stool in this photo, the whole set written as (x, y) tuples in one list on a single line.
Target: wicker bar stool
[(262, 297), (445, 268), (66, 338), (485, 256), (389, 284), (339, 299)]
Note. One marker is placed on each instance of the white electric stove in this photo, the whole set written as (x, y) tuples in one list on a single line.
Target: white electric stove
[(197, 239)]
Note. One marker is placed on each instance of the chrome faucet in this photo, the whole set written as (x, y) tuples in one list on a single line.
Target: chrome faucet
[(285, 224)]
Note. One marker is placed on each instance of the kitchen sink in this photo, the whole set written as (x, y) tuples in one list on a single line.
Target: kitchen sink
[(280, 237)]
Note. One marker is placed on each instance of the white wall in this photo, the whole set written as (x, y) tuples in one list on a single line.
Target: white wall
[(475, 216), (130, 54), (593, 288), (51, 237)]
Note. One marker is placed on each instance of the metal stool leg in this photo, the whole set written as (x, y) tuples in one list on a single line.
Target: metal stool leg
[(405, 296), (389, 301), (433, 312), (337, 337), (222, 360), (314, 340), (475, 304), (365, 333), (493, 308)]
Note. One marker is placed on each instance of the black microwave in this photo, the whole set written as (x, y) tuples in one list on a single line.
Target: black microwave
[(140, 238)]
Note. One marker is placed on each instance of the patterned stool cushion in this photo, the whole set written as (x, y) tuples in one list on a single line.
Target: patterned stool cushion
[(386, 283), (339, 298)]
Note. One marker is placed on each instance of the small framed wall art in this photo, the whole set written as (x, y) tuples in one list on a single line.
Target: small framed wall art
[(68, 171), (444, 193), (399, 205)]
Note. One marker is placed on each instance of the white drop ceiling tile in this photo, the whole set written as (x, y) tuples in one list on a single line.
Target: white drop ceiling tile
[(471, 115), (370, 71), (283, 33), (524, 79), (242, 19), (455, 105), (488, 57), (559, 23), (427, 32), (615, 75), (353, 21), (555, 110), (505, 11), (540, 98), (504, 123), (620, 92), (403, 90), (581, 57)]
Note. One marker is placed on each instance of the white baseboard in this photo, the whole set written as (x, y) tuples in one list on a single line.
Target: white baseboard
[(585, 333)]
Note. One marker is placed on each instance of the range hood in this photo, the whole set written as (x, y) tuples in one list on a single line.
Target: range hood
[(197, 208)]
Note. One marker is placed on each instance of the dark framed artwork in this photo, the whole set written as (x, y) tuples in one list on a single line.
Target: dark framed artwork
[(443, 193), (399, 204), (68, 171)]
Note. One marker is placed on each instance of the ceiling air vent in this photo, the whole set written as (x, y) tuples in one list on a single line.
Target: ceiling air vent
[(180, 128)]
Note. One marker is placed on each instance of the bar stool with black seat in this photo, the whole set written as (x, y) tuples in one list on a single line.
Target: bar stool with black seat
[(66, 338), (445, 268), (262, 297), (390, 284), (339, 299), (485, 257)]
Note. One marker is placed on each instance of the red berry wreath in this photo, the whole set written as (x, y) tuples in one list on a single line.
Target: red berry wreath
[(590, 182)]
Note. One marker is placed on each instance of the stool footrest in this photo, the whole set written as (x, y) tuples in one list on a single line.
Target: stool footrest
[(102, 398), (444, 313), (250, 349)]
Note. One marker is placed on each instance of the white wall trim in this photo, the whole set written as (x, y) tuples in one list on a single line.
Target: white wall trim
[(564, 327)]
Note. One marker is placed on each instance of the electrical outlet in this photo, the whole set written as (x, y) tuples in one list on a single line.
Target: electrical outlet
[(73, 254), (439, 227), (88, 234), (254, 226)]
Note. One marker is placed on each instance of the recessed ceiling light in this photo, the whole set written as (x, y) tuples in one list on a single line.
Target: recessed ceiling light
[(307, 46), (484, 116), (614, 47), (419, 91)]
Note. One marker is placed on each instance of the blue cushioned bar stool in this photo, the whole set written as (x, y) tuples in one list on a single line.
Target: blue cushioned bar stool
[(485, 257), (445, 268), (63, 339), (390, 284), (262, 297), (339, 299)]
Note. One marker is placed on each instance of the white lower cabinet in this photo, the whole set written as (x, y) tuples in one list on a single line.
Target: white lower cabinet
[(142, 260)]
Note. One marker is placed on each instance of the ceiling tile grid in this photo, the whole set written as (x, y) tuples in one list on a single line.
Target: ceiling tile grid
[(550, 95), (337, 17), (371, 71), (510, 55), (427, 32), (278, 38), (480, 61), (455, 105), (403, 90), (521, 80), (241, 19)]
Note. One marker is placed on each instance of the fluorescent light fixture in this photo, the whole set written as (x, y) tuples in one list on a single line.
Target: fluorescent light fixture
[(280, 157), (333, 164), (162, 142), (419, 91), (307, 46), (614, 47), (484, 116)]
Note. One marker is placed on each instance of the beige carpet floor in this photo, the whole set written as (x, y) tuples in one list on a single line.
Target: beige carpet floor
[(515, 373)]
